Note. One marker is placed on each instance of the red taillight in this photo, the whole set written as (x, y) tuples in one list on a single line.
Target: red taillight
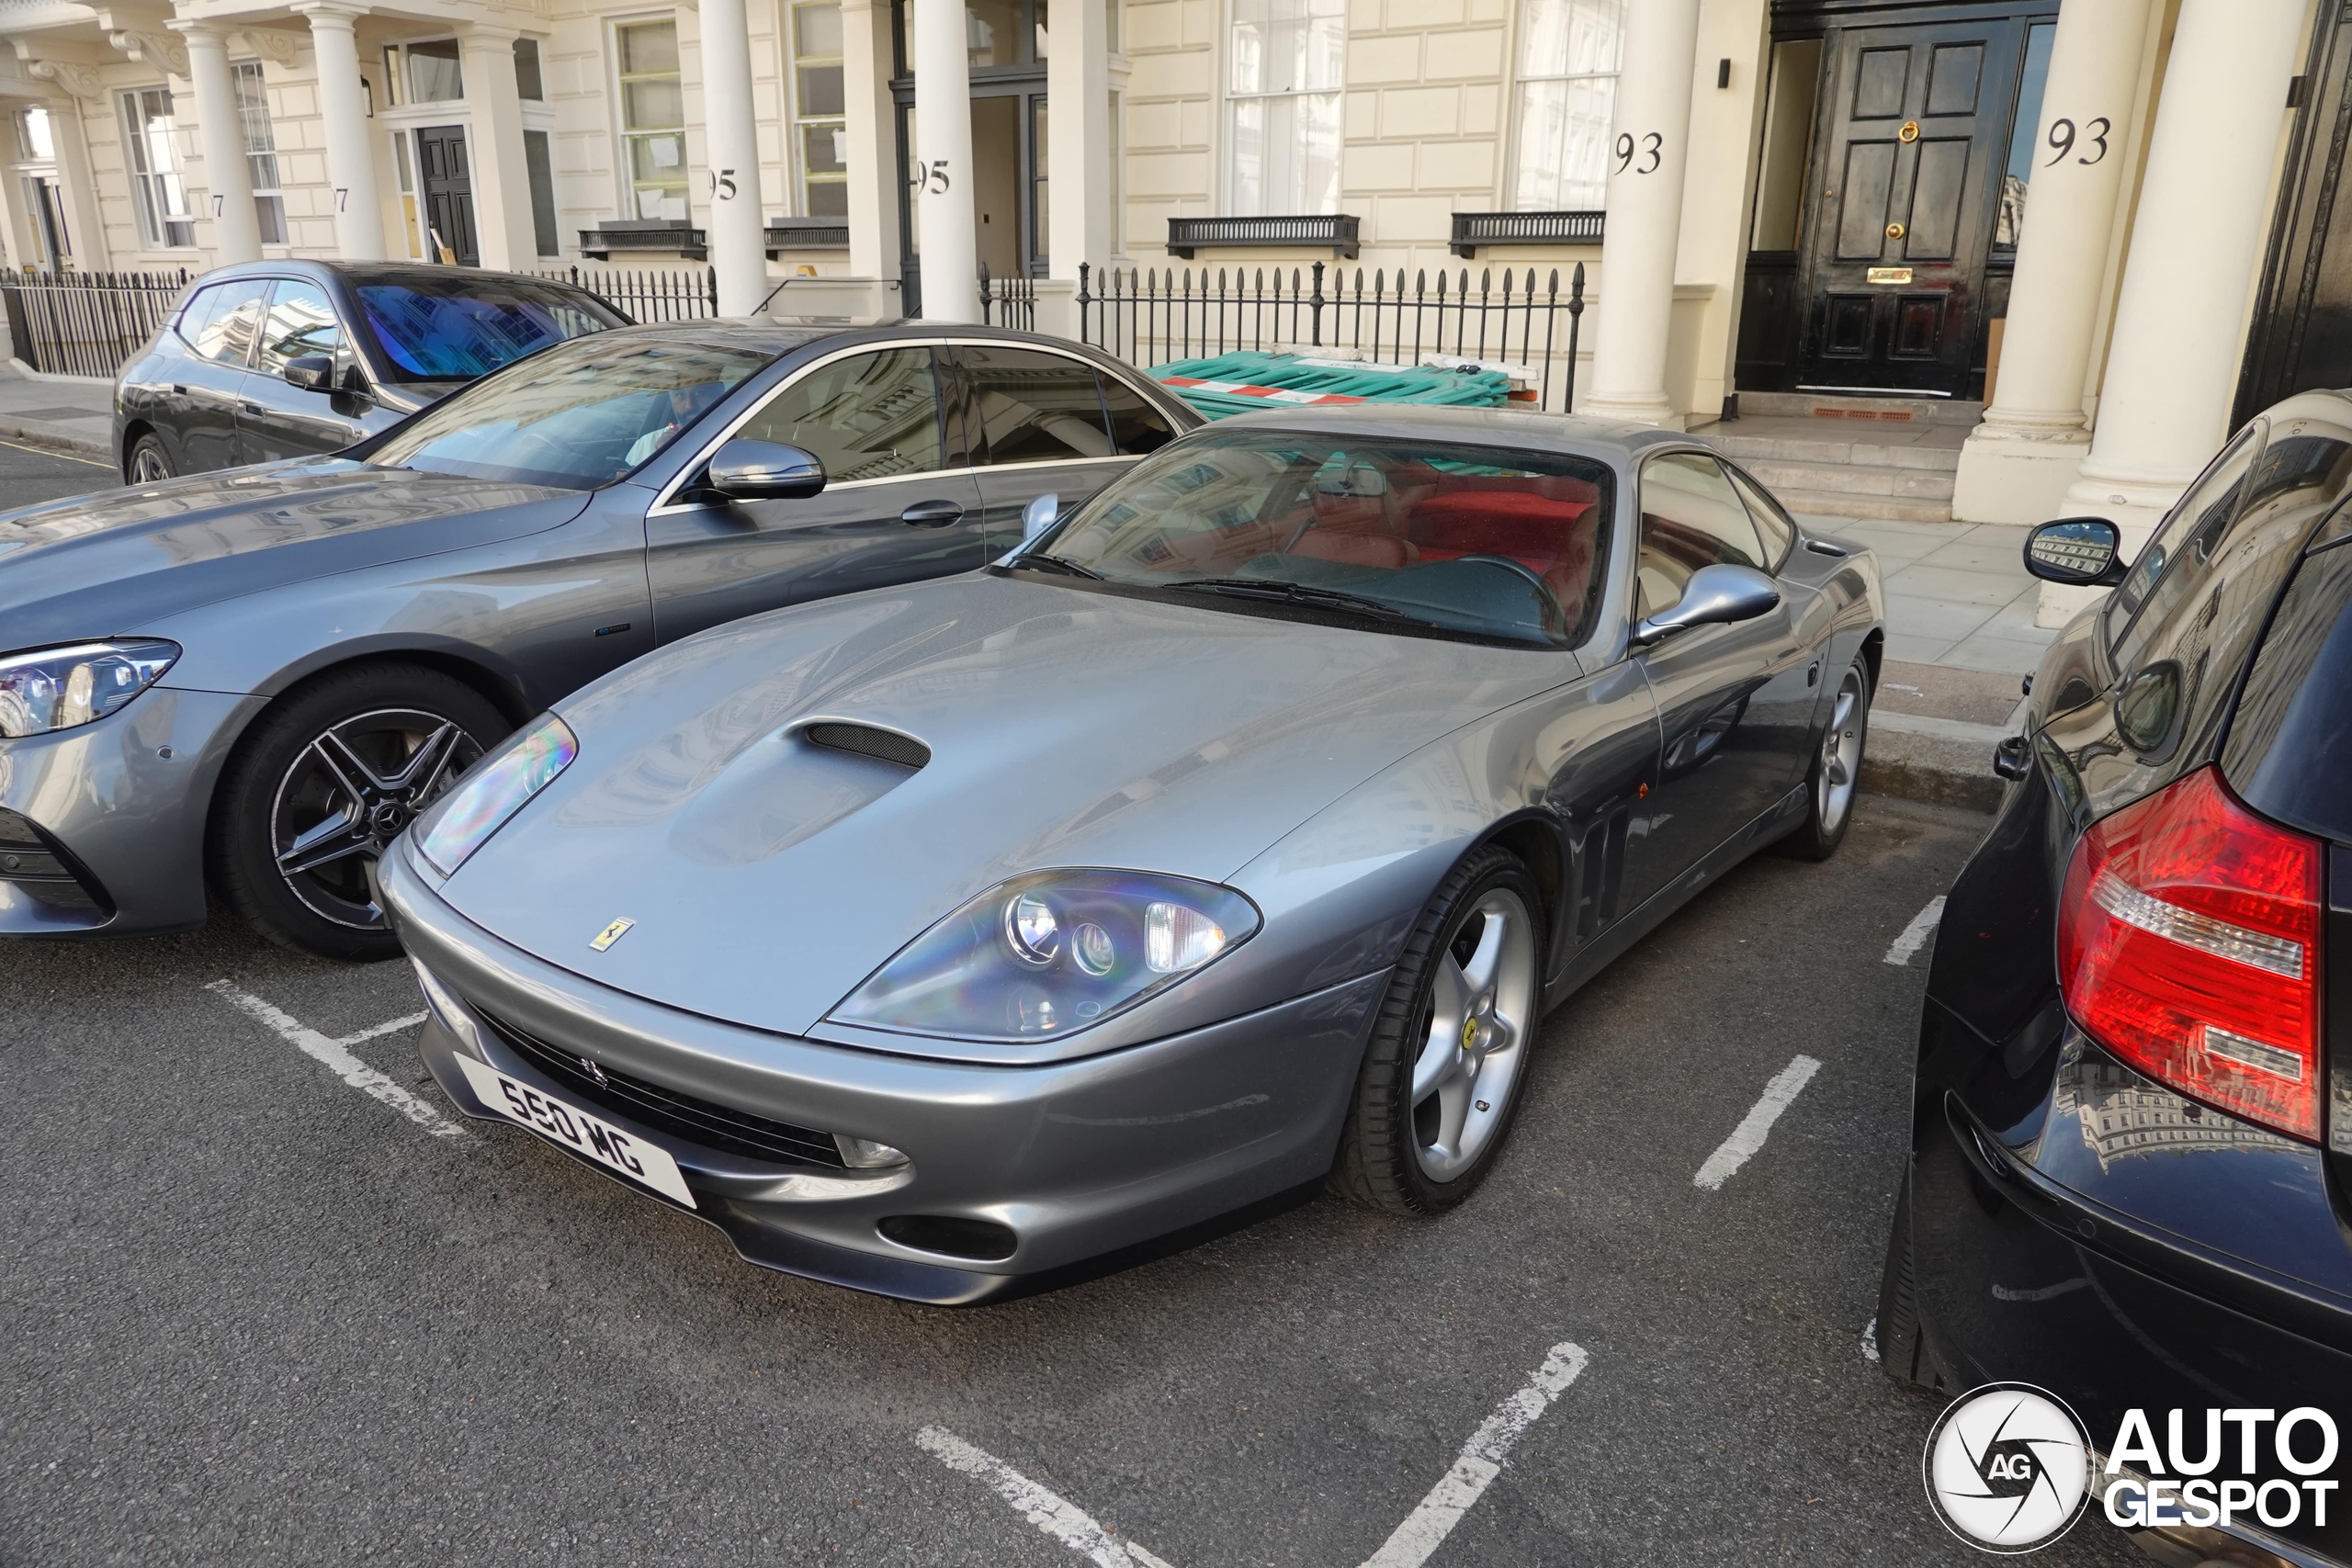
[(2189, 944)]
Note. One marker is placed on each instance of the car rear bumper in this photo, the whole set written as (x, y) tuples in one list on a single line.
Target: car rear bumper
[(2047, 1260), (1088, 1163), (120, 804)]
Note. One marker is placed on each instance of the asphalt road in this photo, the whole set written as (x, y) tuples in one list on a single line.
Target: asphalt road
[(250, 1313), (31, 473)]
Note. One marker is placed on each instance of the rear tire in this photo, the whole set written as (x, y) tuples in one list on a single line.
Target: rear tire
[(323, 781), (1447, 1066), (1834, 779), (148, 462)]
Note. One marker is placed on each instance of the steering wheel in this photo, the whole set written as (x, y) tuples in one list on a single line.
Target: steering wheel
[(1556, 613)]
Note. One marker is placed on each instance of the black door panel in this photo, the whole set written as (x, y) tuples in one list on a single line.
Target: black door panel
[(277, 419), (448, 193)]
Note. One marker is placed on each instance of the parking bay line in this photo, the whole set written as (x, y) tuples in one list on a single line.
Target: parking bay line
[(1915, 935), (336, 1057), (1408, 1546), (1757, 1125)]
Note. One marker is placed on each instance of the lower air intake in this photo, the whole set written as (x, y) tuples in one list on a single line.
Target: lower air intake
[(983, 1241)]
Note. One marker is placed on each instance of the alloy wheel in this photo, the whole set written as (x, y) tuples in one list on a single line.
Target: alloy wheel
[(349, 792), (1481, 1015), (147, 467), (1842, 756)]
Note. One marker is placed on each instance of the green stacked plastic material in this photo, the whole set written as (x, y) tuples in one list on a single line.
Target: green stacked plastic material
[(1299, 380)]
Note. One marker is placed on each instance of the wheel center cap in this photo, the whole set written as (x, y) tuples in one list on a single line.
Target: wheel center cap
[(389, 818), (1471, 1035)]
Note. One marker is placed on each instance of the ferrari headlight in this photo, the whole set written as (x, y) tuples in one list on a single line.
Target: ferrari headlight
[(59, 688), (462, 820), (1051, 953)]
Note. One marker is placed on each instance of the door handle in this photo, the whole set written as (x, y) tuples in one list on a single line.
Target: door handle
[(932, 514), (178, 391), (243, 406)]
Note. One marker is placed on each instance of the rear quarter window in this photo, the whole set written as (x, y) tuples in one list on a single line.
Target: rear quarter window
[(2290, 749)]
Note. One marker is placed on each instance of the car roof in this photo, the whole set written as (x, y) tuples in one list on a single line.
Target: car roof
[(1611, 440)]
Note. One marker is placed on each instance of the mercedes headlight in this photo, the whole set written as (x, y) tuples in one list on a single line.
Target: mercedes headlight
[(1051, 953), (59, 688), (462, 820)]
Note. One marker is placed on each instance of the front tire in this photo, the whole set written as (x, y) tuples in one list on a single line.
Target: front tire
[(323, 782), (1443, 1079), (148, 463), (1836, 775)]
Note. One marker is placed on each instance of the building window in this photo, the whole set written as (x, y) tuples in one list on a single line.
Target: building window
[(261, 150), (1282, 107), (1569, 54), (653, 118), (161, 196), (44, 198), (1118, 237), (1041, 226), (816, 107), (411, 226), (529, 84), (2008, 224), (539, 163), (425, 73)]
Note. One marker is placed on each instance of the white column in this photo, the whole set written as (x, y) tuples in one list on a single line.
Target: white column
[(221, 132), (17, 221), (502, 179), (2196, 240), (872, 132), (942, 151), (1078, 136), (351, 150), (2032, 441), (732, 135), (1645, 224)]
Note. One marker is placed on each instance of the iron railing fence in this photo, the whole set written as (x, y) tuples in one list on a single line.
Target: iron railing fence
[(1523, 321), (648, 294), (86, 323), (1008, 302)]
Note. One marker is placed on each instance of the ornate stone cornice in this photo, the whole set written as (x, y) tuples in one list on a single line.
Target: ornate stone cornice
[(81, 81), (165, 48), (273, 44)]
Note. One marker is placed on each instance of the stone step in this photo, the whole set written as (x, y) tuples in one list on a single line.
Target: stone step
[(1884, 508), (1854, 478), (1833, 408), (1751, 448)]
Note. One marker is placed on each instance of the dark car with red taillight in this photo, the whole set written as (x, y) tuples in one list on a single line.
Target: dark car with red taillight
[(2130, 1170)]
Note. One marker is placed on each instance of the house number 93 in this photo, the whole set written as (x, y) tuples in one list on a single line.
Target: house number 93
[(1647, 148)]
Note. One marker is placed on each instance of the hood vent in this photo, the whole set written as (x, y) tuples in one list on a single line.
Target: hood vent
[(866, 741)]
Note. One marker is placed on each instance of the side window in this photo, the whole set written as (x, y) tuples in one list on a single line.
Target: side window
[(226, 335), (1777, 532), (2205, 508), (198, 311), (870, 416), (300, 320), (1025, 405), (1690, 517), (1137, 427)]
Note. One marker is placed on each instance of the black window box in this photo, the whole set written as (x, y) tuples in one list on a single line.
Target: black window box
[(652, 236), (1472, 229), (807, 234), (1336, 229)]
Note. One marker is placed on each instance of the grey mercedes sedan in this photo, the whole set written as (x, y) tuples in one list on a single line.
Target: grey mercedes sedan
[(256, 677), (1231, 835)]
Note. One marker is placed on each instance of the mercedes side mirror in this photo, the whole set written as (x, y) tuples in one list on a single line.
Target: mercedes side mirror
[(2081, 552), (765, 470), (1715, 595), (312, 372), (1038, 516)]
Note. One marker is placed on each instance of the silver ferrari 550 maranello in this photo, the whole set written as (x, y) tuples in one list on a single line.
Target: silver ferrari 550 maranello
[(1229, 837)]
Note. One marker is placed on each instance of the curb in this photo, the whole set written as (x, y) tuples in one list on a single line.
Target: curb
[(1940, 762), (47, 435)]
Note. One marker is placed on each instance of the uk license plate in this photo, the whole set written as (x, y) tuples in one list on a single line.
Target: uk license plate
[(560, 1122)]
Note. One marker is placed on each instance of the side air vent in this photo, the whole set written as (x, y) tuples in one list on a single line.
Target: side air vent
[(882, 745)]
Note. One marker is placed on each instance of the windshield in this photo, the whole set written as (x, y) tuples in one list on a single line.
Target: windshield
[(429, 331), (1470, 539), (580, 415)]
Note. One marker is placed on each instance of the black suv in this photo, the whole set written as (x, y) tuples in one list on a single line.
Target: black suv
[(288, 360), (2131, 1133)]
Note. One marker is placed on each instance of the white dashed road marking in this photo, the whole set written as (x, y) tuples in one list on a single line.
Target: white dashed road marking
[(1915, 935), (1064, 1520), (1749, 1135), (394, 1027), (1410, 1546), (336, 1057), (1480, 1461)]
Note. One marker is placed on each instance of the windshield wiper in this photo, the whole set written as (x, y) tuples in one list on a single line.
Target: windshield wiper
[(1297, 593), (1037, 560)]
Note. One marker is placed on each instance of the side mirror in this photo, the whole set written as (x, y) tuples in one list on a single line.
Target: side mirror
[(1715, 595), (1039, 515), (312, 372), (765, 470), (2081, 552)]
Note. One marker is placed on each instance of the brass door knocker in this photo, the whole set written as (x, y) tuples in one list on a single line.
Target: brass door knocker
[(1894, 231), (1910, 131)]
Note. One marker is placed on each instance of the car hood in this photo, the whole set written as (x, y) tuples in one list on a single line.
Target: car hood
[(768, 876), (115, 562)]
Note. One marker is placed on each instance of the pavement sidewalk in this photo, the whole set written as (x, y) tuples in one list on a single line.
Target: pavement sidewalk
[(72, 412)]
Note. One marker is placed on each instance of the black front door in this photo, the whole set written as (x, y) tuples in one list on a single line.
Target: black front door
[(1914, 136), (448, 194)]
